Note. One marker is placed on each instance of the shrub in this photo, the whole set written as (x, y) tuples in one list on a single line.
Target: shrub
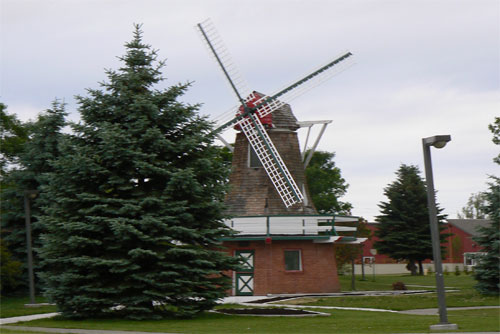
[(457, 271), (10, 270), (399, 286), (466, 270)]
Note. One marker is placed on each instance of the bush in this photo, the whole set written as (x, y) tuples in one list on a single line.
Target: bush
[(457, 271), (466, 270), (399, 286), (10, 270), (446, 271)]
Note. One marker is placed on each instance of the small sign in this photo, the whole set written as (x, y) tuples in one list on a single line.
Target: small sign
[(373, 251)]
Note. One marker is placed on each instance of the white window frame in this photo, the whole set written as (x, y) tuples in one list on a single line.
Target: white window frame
[(473, 259)]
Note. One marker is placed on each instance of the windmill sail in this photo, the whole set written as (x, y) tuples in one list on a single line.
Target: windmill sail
[(217, 49), (249, 119), (267, 104), (271, 160)]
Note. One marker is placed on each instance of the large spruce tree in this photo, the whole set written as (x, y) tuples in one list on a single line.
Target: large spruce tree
[(136, 202), (487, 272), (404, 229)]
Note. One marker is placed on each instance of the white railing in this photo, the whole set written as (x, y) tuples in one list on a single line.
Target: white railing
[(289, 225)]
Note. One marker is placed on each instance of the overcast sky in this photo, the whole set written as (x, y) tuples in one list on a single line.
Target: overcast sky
[(422, 68)]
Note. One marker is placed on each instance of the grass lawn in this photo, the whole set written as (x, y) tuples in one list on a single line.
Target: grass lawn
[(340, 321), (466, 296), (384, 282), (14, 307)]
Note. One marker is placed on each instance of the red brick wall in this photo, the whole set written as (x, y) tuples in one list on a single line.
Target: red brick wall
[(318, 274)]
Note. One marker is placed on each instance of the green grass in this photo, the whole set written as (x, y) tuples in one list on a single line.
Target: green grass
[(384, 282), (14, 307), (399, 303), (340, 321), (466, 296)]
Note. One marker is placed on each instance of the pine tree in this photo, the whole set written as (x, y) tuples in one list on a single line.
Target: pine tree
[(404, 229), (32, 162), (136, 202), (487, 271)]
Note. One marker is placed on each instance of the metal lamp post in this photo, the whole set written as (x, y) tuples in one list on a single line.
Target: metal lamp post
[(28, 196), (438, 142)]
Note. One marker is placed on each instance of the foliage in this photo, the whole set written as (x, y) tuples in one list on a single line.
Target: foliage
[(346, 253), (475, 208), (399, 286), (14, 134), (10, 270), (487, 272), (404, 229), (136, 202), (33, 161), (495, 129), (326, 184)]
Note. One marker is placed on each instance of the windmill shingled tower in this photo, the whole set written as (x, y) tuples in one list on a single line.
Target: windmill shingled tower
[(251, 192)]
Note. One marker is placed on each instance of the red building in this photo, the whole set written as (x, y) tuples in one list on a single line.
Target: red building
[(460, 248)]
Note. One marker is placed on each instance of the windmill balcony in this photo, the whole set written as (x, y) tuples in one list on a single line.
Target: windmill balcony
[(319, 228)]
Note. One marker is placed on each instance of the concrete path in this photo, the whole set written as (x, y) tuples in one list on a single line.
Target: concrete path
[(13, 320), (435, 311)]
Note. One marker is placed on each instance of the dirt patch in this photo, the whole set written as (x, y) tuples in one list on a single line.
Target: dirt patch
[(267, 311)]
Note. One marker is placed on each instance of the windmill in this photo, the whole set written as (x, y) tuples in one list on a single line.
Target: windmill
[(254, 109)]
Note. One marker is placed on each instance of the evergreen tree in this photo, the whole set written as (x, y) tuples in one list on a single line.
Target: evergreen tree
[(404, 229), (33, 159), (136, 209), (487, 272), (326, 184)]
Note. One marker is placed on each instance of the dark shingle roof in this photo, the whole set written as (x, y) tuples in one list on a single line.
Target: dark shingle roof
[(470, 225)]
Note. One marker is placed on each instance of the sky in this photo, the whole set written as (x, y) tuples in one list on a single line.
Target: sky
[(422, 68)]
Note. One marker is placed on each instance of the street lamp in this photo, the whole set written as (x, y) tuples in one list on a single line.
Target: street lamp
[(28, 196), (438, 142)]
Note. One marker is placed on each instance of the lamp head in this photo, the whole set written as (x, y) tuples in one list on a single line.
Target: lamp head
[(438, 141)]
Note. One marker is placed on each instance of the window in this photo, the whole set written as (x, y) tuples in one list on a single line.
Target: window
[(471, 259), (253, 159), (292, 260)]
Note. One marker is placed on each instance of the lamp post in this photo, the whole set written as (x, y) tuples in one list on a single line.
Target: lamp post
[(28, 196), (438, 142)]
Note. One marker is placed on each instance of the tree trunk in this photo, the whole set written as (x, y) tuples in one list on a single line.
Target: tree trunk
[(412, 267), (420, 268)]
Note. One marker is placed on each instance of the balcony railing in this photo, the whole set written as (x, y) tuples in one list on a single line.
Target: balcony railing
[(307, 225)]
